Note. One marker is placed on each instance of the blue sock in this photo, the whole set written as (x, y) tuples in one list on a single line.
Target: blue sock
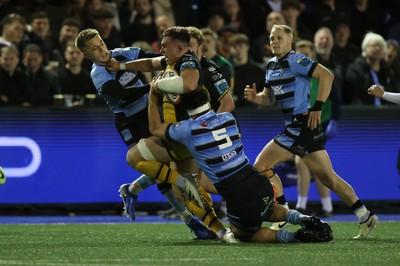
[(294, 217), (284, 236), (141, 183), (176, 204)]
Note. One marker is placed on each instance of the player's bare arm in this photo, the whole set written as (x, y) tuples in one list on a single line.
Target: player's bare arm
[(142, 65), (190, 79), (325, 78), (157, 128)]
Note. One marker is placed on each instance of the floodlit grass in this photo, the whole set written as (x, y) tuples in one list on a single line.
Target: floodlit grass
[(172, 244)]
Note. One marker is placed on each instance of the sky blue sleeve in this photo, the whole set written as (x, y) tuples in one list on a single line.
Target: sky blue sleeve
[(100, 76), (300, 64), (179, 132)]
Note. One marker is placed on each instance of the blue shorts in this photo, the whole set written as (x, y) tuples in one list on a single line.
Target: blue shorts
[(249, 199), (299, 139)]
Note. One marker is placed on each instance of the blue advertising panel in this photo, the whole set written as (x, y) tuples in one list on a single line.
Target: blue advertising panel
[(76, 155)]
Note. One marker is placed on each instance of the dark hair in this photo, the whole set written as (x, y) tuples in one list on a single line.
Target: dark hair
[(10, 18), (72, 22), (32, 48), (196, 33), (39, 15), (177, 33), (103, 13), (196, 98)]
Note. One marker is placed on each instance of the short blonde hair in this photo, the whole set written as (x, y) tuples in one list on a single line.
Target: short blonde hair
[(285, 29), (85, 36)]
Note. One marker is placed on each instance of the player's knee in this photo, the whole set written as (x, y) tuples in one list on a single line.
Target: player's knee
[(144, 151), (132, 157), (268, 172)]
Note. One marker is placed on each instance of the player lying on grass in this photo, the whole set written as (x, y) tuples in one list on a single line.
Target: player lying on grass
[(214, 141)]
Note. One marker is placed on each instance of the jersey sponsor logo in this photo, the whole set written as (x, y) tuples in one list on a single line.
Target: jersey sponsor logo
[(126, 77), (188, 65), (212, 69), (304, 61), (225, 157), (216, 76), (277, 89), (268, 203), (221, 85)]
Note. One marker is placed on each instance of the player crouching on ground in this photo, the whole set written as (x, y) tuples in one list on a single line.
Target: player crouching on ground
[(214, 141)]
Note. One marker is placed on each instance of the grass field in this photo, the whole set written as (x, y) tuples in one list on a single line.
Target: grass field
[(172, 244)]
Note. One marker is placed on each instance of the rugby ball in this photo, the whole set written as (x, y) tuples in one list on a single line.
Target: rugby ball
[(2, 176), (173, 98)]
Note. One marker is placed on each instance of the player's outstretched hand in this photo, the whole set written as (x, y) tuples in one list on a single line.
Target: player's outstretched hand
[(250, 93)]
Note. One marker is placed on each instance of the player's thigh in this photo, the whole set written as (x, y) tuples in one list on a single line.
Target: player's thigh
[(271, 155), (154, 148)]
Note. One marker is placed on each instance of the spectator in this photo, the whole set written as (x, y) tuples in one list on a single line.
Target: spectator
[(323, 41), (13, 26), (40, 35), (76, 84), (103, 22), (345, 51), (143, 27), (291, 11), (392, 59), (246, 71), (367, 70), (261, 49), (210, 51), (234, 16), (68, 32), (14, 89), (44, 84), (56, 14), (216, 18), (224, 34), (162, 23)]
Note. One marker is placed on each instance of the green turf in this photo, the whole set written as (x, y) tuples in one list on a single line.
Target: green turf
[(172, 244)]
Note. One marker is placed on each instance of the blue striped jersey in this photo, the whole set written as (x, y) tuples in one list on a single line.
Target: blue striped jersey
[(214, 141), (128, 79), (289, 78)]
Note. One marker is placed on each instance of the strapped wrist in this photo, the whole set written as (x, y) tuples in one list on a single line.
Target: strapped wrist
[(122, 66), (317, 106)]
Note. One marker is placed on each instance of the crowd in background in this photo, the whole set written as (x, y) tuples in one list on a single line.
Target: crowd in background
[(358, 40)]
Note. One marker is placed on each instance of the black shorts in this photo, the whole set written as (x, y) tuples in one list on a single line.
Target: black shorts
[(249, 199), (133, 128), (299, 139)]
